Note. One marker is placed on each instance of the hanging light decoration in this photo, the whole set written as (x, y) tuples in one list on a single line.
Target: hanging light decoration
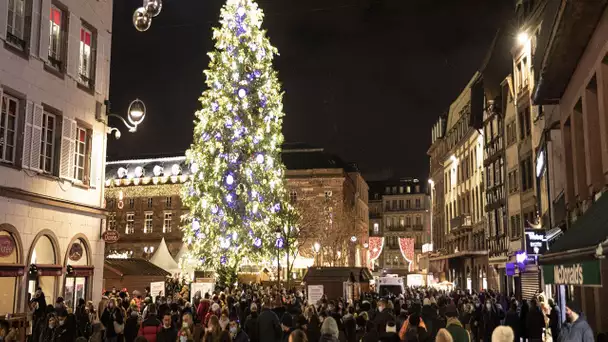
[(141, 19)]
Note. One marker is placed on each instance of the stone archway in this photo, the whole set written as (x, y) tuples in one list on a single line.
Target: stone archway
[(78, 277), (84, 241), (44, 253)]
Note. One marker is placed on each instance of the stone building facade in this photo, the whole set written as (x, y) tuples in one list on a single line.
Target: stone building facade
[(144, 206), (400, 211), (54, 72)]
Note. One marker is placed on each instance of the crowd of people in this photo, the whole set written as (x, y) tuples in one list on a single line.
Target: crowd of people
[(267, 314)]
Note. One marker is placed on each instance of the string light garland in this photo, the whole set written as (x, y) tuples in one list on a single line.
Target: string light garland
[(236, 194)]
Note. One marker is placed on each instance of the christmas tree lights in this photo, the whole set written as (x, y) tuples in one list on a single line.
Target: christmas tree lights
[(237, 197)]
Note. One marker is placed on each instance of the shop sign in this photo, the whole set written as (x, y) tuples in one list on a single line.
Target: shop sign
[(427, 247), (110, 236), (76, 251), (583, 273), (536, 242), (7, 245)]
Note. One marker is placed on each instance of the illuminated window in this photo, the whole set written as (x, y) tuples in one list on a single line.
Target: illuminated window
[(293, 196), (376, 228), (150, 202), (80, 157), (112, 221), (85, 67), (8, 128), (56, 37), (168, 203), (47, 142), (167, 222), (148, 223), (130, 227)]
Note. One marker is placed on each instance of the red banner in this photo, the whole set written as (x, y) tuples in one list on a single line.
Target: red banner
[(406, 245), (376, 244)]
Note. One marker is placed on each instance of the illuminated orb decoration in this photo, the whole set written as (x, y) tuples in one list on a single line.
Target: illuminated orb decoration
[(158, 170), (176, 170), (153, 7), (141, 20), (139, 172)]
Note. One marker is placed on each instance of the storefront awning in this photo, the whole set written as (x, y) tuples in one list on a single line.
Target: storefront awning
[(585, 235)]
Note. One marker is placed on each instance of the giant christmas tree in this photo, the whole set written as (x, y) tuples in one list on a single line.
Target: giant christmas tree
[(237, 196)]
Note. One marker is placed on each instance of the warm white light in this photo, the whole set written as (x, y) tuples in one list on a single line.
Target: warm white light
[(176, 169), (316, 247), (139, 172), (122, 172), (365, 245), (194, 168), (353, 238), (431, 182), (158, 170), (522, 38), (453, 159)]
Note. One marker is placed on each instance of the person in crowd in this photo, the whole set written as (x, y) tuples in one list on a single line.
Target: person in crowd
[(150, 326), (298, 336), (236, 333), (430, 318), (443, 335), (214, 333), (131, 325), (490, 319), (287, 326), (535, 322), (329, 330), (576, 328), (48, 333), (167, 333), (512, 320), (269, 324), (454, 325), (383, 316), (66, 326), (82, 319), (555, 323), (313, 329), (503, 334), (113, 321), (390, 334), (251, 324), (415, 331)]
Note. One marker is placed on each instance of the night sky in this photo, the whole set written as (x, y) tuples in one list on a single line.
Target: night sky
[(366, 79)]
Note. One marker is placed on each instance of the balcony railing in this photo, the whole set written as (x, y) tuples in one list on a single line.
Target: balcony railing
[(462, 221), (418, 227), (495, 146), (398, 228)]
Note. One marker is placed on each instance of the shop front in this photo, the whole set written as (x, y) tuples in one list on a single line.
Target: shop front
[(44, 269), (78, 272), (12, 268), (575, 265)]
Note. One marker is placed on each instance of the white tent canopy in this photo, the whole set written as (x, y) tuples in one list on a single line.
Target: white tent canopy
[(182, 252), (163, 259)]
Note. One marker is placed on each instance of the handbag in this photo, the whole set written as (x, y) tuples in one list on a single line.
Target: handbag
[(118, 328)]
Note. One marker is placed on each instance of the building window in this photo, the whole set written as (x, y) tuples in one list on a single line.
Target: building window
[(148, 218), (16, 23), (130, 227), (168, 203), (394, 205), (527, 175), (111, 203), (85, 66), (401, 222), (56, 37), (47, 143), (401, 204), (417, 202), (167, 222), (328, 195), (513, 182), (131, 203), (81, 155), (400, 189), (387, 205), (8, 128), (408, 204), (524, 123), (376, 228), (293, 196), (511, 133), (150, 202), (418, 220), (408, 221), (112, 221)]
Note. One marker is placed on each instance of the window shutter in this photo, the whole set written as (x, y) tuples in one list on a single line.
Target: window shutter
[(37, 118), (3, 18), (34, 36), (101, 61), (68, 148), (96, 155), (73, 46), (45, 29), (27, 136)]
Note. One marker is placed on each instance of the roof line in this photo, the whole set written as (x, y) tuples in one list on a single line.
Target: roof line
[(144, 161)]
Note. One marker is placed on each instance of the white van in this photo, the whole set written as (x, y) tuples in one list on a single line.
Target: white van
[(386, 285)]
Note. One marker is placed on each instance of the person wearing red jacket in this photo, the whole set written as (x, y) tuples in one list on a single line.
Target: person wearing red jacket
[(151, 325), (203, 308)]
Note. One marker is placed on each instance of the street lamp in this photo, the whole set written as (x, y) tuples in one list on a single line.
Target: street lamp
[(316, 247), (278, 245), (135, 116)]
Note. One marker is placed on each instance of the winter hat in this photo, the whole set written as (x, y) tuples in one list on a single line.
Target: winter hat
[(572, 305), (287, 320), (215, 307)]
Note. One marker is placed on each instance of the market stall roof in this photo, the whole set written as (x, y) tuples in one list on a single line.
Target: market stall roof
[(163, 259), (588, 231), (133, 267), (337, 274)]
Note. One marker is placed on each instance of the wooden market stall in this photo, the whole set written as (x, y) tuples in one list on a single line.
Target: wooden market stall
[(336, 282), (132, 274)]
